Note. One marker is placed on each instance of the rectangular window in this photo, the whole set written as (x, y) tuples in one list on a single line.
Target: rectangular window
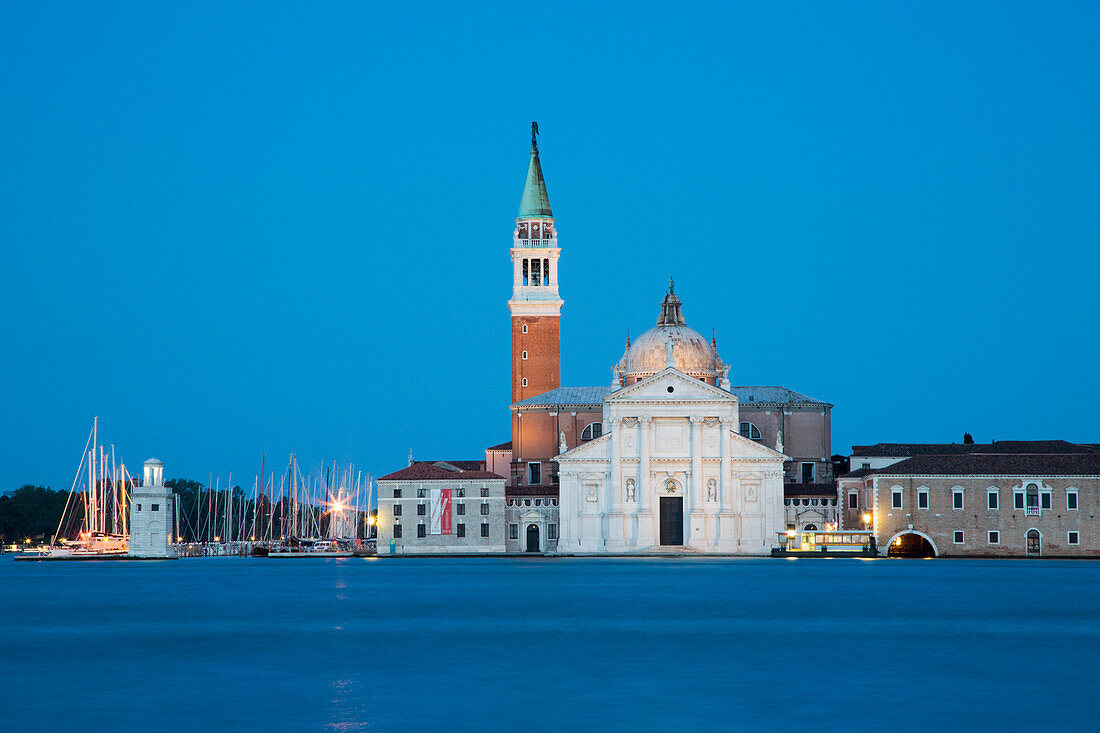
[(922, 499), (461, 492), (421, 510), (957, 499), (485, 530), (807, 473), (1071, 500), (525, 277), (139, 507), (421, 530), (866, 464), (460, 530), (546, 272), (397, 531), (535, 470), (460, 509), (1073, 538), (994, 537), (992, 500), (484, 492), (551, 531), (397, 510), (397, 493), (484, 510), (895, 499), (958, 537), (513, 531), (536, 271), (154, 507), (420, 493), (1018, 500), (853, 500), (1045, 499)]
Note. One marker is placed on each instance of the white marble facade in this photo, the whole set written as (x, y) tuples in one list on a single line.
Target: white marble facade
[(670, 470)]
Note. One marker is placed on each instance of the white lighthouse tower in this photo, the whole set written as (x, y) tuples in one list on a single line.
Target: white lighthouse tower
[(152, 515)]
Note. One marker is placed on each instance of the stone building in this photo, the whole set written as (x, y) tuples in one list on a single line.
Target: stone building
[(1009, 498), (152, 515), (811, 506), (441, 507)]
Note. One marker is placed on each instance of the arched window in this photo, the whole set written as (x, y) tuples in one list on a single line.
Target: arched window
[(750, 431), (1032, 496), (810, 528), (525, 381), (525, 328), (592, 431), (524, 356)]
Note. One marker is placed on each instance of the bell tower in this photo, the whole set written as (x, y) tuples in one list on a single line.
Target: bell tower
[(535, 303)]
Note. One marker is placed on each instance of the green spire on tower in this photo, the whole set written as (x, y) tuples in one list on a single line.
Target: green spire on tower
[(535, 203)]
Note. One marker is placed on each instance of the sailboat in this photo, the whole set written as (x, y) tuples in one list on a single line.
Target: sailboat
[(95, 522)]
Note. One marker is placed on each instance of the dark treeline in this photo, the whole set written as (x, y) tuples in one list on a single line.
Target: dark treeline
[(34, 512), (31, 512)]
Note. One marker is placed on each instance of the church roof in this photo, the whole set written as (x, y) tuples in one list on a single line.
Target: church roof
[(596, 395), (535, 202), (773, 395), (568, 396)]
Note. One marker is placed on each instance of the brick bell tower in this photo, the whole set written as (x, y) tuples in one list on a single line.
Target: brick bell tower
[(535, 304)]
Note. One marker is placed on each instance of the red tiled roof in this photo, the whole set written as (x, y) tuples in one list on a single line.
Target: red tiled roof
[(502, 446), (1019, 464), (905, 450), (426, 471)]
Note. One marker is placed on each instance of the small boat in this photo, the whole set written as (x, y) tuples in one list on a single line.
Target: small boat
[(301, 547)]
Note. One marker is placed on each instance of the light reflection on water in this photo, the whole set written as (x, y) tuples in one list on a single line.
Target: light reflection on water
[(547, 644)]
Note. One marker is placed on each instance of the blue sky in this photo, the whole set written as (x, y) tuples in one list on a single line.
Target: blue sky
[(285, 227)]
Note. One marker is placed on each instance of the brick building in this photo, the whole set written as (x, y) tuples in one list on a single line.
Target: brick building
[(1009, 498)]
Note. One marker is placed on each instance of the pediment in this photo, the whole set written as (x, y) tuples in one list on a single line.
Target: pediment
[(593, 449), (684, 387), (746, 448)]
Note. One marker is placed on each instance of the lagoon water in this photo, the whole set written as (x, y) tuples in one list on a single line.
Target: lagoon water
[(226, 644)]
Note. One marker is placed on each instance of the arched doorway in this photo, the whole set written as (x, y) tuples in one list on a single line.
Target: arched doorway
[(911, 544), (1034, 543), (533, 538)]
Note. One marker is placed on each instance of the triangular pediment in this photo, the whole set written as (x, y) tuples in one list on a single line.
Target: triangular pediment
[(594, 449), (752, 449), (684, 387)]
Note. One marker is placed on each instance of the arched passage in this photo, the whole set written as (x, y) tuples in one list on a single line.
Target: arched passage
[(911, 543)]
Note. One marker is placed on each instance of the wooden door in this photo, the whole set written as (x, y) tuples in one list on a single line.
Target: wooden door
[(672, 520)]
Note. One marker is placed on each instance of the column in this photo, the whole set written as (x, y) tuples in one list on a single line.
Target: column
[(695, 492), (724, 463), (613, 509), (645, 487)]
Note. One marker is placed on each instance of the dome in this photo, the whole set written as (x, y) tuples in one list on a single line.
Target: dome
[(691, 353)]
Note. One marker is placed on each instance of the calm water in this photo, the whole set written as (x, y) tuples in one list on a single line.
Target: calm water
[(544, 644)]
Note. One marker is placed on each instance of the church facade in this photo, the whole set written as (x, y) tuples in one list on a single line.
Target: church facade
[(667, 457)]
